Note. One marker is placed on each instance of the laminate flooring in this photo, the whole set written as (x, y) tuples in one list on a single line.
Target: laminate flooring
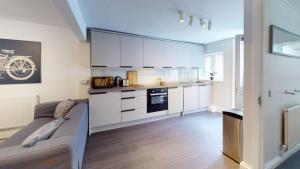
[(190, 142)]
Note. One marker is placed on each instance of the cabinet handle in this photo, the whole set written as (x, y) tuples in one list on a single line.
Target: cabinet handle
[(180, 67), (148, 66), (187, 86), (98, 66), (128, 110), (124, 91), (167, 67), (126, 66), (203, 85), (125, 98), (98, 93)]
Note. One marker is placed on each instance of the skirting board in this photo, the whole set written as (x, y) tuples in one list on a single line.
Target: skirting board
[(244, 165), (275, 162), (195, 111), (132, 123)]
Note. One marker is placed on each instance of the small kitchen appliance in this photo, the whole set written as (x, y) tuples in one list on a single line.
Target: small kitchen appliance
[(102, 82)]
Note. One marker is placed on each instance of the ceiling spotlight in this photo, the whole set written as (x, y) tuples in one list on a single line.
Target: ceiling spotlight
[(209, 25), (202, 23), (191, 20), (181, 17)]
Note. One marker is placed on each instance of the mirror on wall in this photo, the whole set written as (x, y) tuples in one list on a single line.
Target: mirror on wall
[(284, 42)]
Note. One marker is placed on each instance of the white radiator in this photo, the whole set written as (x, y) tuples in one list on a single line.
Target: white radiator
[(291, 124), (16, 112)]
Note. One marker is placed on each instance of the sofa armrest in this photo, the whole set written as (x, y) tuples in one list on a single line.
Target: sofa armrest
[(50, 154), (45, 109)]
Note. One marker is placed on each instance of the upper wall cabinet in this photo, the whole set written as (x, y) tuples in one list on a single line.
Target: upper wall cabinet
[(131, 51), (105, 49), (113, 50), (171, 54), (198, 56), (153, 53)]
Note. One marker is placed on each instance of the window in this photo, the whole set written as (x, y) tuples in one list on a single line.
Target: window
[(214, 64)]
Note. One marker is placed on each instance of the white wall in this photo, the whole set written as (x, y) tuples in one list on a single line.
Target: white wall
[(280, 73), (60, 76), (223, 91)]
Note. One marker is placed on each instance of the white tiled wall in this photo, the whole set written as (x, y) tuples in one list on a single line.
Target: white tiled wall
[(151, 76)]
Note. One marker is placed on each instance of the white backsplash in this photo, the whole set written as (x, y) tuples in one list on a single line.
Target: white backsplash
[(151, 76)]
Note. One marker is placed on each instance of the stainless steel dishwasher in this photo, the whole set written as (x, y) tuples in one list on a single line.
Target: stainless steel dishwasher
[(233, 134)]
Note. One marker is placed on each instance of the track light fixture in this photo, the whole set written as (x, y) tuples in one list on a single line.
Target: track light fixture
[(203, 21), (209, 25), (191, 20), (181, 17)]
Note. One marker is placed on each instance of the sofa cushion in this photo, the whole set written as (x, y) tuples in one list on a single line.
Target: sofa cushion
[(22, 134), (63, 108), (45, 109), (43, 132)]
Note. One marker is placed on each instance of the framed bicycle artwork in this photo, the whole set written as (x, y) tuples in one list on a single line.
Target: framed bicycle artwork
[(20, 62)]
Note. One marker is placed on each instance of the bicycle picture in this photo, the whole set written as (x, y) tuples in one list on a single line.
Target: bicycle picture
[(19, 62)]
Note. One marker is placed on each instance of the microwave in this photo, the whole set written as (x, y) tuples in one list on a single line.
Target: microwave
[(102, 82)]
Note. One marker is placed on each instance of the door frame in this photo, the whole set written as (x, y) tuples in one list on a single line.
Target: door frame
[(253, 48)]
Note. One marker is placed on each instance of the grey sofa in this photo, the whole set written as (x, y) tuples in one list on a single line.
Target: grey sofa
[(63, 150)]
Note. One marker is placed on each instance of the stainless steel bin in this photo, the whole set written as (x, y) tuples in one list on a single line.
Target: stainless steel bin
[(233, 134)]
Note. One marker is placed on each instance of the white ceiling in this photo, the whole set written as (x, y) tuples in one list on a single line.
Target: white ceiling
[(294, 4), (159, 18), (36, 11)]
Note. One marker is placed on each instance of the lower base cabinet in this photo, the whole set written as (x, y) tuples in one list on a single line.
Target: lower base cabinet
[(204, 96), (190, 98), (175, 100), (134, 114), (105, 109)]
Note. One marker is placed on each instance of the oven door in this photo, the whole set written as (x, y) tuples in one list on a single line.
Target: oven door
[(157, 100)]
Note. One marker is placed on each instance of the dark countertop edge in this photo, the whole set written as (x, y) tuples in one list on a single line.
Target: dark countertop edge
[(171, 85)]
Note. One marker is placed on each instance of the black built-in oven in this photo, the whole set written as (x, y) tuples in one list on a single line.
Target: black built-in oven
[(157, 100)]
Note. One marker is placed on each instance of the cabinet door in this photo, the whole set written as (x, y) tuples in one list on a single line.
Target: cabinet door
[(105, 49), (105, 109), (186, 55), (153, 53), (171, 54), (204, 96), (134, 114), (190, 98), (175, 100), (131, 51), (197, 56)]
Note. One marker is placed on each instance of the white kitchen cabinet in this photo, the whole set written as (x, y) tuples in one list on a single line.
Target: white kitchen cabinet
[(175, 100), (105, 109), (105, 49), (171, 54), (190, 98), (134, 114), (131, 51), (153, 53), (134, 105), (134, 102), (197, 58), (204, 96)]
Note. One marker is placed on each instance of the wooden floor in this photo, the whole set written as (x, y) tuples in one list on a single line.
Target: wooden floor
[(189, 142)]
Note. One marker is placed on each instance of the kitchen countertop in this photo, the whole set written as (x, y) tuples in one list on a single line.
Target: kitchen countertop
[(144, 87)]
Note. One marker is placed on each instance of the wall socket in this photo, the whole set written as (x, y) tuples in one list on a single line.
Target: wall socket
[(84, 82)]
